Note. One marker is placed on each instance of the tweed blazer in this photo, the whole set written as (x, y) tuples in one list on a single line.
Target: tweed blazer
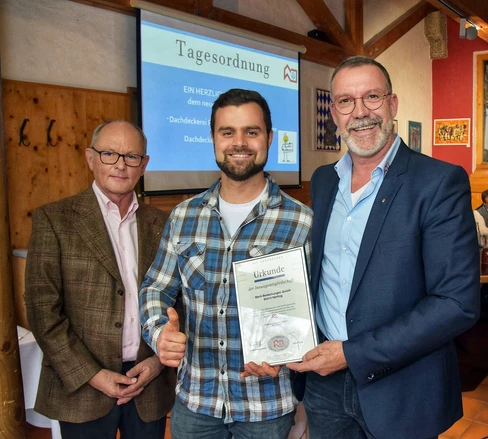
[(75, 302)]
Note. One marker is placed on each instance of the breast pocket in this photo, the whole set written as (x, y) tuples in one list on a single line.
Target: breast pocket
[(191, 261), (263, 249)]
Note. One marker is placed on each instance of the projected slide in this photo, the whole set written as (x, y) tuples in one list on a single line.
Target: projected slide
[(182, 73)]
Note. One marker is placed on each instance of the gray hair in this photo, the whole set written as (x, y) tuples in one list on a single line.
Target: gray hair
[(100, 127), (358, 61)]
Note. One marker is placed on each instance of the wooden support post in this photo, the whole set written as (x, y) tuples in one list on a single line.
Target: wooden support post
[(12, 413)]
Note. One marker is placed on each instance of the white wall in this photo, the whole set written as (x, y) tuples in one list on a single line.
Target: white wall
[(66, 43), (409, 65)]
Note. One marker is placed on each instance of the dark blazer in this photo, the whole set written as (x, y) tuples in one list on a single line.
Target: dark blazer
[(75, 308), (415, 287)]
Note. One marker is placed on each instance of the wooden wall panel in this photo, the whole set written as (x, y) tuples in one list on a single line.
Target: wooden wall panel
[(38, 172)]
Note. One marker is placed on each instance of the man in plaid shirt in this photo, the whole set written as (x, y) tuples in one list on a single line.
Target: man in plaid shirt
[(242, 215)]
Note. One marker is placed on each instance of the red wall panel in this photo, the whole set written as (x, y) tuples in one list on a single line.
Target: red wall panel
[(452, 92)]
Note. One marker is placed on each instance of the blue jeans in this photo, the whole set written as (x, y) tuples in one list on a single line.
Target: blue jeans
[(332, 406), (186, 424)]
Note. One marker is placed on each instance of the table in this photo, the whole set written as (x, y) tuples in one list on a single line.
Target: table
[(30, 363)]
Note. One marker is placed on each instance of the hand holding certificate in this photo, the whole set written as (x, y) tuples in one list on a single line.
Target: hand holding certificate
[(275, 310)]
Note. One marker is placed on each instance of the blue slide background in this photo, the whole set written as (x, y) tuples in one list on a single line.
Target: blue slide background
[(163, 96)]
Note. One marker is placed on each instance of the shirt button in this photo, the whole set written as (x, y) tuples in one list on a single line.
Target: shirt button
[(221, 311), (228, 249), (120, 292), (225, 280), (221, 343), (132, 319), (118, 325), (344, 249), (344, 281), (349, 218), (222, 371)]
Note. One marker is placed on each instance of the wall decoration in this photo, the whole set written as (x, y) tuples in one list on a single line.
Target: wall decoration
[(452, 131), (415, 135), (327, 138), (395, 126)]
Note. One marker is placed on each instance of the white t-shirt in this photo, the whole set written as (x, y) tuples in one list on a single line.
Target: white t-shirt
[(235, 214)]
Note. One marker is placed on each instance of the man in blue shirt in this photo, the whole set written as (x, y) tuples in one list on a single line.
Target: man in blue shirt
[(243, 215), (395, 275)]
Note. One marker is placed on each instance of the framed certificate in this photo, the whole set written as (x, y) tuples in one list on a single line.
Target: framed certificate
[(275, 309)]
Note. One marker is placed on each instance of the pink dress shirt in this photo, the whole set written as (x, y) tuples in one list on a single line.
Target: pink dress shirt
[(123, 235)]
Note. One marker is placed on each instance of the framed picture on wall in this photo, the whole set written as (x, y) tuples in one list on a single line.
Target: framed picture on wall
[(452, 131), (326, 130), (414, 131)]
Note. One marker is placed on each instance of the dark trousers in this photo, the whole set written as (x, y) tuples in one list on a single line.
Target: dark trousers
[(332, 406), (122, 417), (333, 409)]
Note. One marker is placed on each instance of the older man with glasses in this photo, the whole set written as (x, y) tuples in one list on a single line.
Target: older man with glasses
[(395, 275), (86, 260)]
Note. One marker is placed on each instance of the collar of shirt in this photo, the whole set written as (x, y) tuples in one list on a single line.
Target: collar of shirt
[(271, 198), (106, 205)]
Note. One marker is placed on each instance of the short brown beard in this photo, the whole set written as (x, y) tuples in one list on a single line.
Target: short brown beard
[(241, 174)]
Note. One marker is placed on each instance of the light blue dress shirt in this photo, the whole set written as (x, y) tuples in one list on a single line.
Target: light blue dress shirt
[(342, 242)]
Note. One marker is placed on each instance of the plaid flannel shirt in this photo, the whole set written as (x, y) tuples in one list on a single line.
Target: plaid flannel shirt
[(195, 257)]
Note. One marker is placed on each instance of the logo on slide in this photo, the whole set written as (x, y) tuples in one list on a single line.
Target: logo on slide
[(290, 74)]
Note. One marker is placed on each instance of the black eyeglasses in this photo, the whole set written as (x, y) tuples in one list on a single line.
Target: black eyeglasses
[(372, 101), (111, 157)]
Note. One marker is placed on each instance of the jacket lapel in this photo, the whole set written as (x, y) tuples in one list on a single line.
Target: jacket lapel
[(91, 227), (323, 201), (148, 232), (381, 206)]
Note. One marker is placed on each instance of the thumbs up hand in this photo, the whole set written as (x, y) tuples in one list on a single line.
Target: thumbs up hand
[(171, 342)]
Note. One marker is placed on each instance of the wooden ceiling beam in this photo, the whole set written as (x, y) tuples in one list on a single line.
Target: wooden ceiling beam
[(317, 51), (324, 20), (346, 42), (393, 32), (197, 7), (475, 10), (122, 6), (354, 23)]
